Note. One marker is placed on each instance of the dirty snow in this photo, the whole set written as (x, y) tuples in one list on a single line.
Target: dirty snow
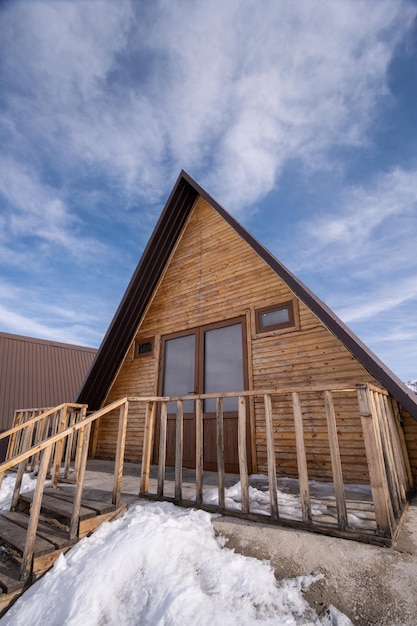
[(323, 501), (160, 565)]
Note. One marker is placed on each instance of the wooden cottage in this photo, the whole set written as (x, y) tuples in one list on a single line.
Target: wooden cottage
[(231, 364)]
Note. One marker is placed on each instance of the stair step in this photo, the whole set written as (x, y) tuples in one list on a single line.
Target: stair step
[(67, 494), (9, 575), (55, 505), (58, 538), (14, 535)]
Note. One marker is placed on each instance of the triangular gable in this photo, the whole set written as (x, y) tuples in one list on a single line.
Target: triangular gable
[(145, 279)]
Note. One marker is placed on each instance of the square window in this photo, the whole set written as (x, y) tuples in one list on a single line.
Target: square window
[(143, 347), (275, 317)]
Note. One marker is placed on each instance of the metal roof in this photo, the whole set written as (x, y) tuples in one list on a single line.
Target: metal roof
[(145, 278), (37, 373)]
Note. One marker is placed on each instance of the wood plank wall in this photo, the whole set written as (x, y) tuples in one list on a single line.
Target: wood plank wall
[(215, 275)]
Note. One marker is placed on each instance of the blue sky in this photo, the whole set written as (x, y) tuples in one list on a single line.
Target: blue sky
[(300, 118)]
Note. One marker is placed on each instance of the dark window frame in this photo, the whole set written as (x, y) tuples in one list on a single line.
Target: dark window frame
[(138, 342), (289, 305)]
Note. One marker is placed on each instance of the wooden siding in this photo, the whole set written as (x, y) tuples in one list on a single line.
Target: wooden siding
[(215, 275), (410, 432)]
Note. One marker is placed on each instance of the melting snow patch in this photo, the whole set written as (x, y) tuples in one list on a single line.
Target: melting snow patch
[(160, 565)]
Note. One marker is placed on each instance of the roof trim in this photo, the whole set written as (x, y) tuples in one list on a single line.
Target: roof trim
[(145, 278)]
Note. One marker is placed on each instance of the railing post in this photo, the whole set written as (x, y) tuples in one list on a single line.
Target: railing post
[(301, 459), (35, 508), (75, 517), (179, 433), (339, 487), (374, 456), (59, 447), (147, 447), (27, 437), (199, 451), (243, 460), (120, 453), (270, 450), (162, 448), (220, 452)]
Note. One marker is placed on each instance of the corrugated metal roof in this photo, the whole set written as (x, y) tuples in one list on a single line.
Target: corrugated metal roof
[(38, 373), (145, 278)]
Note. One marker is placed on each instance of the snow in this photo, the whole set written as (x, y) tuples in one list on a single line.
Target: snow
[(7, 487), (412, 384), (161, 565), (323, 501)]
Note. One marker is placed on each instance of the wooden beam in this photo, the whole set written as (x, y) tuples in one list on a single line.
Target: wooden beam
[(338, 482), (272, 470), (162, 447), (301, 460), (179, 434), (220, 452), (120, 453), (147, 447), (199, 445), (374, 457), (27, 559), (243, 461)]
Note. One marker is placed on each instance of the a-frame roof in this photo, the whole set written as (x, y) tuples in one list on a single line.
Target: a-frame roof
[(145, 279)]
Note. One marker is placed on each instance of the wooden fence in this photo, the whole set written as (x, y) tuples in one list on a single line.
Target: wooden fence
[(389, 472)]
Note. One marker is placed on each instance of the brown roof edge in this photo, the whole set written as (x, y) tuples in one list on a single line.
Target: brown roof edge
[(119, 335), (176, 211)]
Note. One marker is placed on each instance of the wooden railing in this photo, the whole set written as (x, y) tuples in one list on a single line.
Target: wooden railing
[(389, 473), (49, 452), (31, 426)]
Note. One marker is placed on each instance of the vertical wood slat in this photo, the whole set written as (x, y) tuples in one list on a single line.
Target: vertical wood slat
[(270, 449), (179, 443), (68, 451), (220, 452), (399, 460), (147, 447), (243, 461), (162, 447), (27, 438), (120, 453), (400, 431), (41, 433), (301, 459), (379, 487), (388, 455), (336, 462), (35, 508), (199, 451), (75, 517), (59, 447)]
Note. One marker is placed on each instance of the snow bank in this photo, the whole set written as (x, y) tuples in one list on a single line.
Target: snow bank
[(161, 565)]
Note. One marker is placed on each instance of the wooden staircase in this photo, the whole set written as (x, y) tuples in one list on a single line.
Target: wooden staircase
[(46, 522)]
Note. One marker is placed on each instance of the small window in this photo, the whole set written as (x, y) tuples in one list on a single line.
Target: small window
[(275, 317), (143, 347)]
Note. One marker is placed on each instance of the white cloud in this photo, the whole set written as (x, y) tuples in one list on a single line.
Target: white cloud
[(362, 306), (372, 232), (139, 92)]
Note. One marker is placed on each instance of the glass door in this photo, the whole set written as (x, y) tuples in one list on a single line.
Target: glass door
[(208, 359)]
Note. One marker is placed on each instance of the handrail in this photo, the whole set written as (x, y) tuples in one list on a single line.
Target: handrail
[(249, 393), (37, 418), (61, 435), (47, 446)]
